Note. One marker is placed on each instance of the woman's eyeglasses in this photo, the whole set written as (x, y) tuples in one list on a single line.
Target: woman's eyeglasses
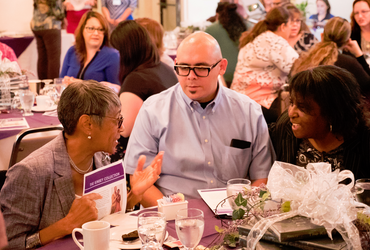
[(92, 29), (119, 119), (362, 12)]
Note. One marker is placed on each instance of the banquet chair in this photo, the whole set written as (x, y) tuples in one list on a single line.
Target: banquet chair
[(29, 140)]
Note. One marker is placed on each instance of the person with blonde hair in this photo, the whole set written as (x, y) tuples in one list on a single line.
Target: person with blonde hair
[(336, 36), (156, 33), (265, 60)]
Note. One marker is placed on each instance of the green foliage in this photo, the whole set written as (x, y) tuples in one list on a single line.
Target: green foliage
[(231, 239), (302, 7), (285, 207), (238, 214), (240, 201)]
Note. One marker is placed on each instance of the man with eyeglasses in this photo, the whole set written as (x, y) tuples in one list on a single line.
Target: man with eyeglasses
[(209, 133)]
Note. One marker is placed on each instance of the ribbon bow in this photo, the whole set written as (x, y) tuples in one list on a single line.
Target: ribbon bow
[(314, 192), (8, 66)]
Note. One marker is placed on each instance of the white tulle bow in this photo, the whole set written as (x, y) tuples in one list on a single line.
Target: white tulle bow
[(314, 192), (8, 66)]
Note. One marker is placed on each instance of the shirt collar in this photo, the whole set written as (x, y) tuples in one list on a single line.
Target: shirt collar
[(193, 104)]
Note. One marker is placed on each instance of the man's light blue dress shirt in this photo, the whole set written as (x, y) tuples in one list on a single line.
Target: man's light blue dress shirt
[(196, 141)]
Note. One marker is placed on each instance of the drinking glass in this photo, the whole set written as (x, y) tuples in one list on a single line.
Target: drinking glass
[(152, 230), (189, 226), (59, 87), (362, 187), (234, 187), (27, 99)]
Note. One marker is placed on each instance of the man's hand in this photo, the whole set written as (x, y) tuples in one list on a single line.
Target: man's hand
[(141, 180)]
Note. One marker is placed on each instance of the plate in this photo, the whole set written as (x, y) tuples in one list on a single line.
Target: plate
[(42, 109), (116, 238)]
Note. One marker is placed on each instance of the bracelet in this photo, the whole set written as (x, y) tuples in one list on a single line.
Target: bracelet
[(130, 209), (33, 241)]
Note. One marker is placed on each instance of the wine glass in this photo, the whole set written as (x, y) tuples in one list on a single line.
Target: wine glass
[(234, 187), (152, 230), (189, 226)]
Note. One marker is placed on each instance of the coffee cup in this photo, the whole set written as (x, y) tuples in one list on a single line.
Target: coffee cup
[(96, 235), (44, 101)]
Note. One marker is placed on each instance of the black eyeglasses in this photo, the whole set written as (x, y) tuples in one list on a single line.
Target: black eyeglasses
[(92, 29), (119, 119), (200, 71)]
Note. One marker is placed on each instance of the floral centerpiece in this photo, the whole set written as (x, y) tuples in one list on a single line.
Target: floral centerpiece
[(9, 72), (315, 192)]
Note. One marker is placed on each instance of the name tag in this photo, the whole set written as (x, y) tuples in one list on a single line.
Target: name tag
[(116, 2)]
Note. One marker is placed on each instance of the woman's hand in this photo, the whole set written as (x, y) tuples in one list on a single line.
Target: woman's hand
[(83, 210), (141, 180), (353, 47)]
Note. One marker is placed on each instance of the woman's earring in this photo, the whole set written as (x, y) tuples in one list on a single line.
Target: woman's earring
[(89, 137), (331, 128)]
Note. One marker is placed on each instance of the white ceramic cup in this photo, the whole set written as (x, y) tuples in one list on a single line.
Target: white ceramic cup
[(96, 235), (44, 101)]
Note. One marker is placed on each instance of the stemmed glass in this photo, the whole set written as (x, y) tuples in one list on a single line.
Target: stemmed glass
[(189, 226), (152, 230), (27, 99)]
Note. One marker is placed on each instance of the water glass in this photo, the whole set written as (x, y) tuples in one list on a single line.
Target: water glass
[(362, 187), (152, 230), (234, 187), (27, 99), (189, 226)]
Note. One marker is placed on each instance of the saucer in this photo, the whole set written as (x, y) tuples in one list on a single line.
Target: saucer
[(116, 238), (43, 109)]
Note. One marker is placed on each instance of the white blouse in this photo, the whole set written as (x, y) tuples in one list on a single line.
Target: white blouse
[(263, 66)]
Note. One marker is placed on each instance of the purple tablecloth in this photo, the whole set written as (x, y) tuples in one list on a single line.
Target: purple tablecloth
[(35, 121), (18, 44), (208, 235)]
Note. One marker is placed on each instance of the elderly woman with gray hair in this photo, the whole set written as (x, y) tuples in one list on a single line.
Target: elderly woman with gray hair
[(41, 198)]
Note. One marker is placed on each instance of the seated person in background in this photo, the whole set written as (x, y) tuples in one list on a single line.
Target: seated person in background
[(212, 133), (156, 32), (7, 52), (227, 31), (360, 23), (336, 36), (278, 3), (91, 58), (267, 4), (323, 13), (327, 121), (300, 36), (41, 198), (264, 61), (141, 72)]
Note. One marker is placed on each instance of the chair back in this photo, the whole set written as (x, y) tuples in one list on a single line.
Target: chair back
[(29, 140)]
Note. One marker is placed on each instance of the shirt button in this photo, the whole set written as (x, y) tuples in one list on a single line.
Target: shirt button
[(209, 163), (206, 140), (211, 181), (204, 117)]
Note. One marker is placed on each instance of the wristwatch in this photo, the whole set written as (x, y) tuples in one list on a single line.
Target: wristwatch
[(33, 241)]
